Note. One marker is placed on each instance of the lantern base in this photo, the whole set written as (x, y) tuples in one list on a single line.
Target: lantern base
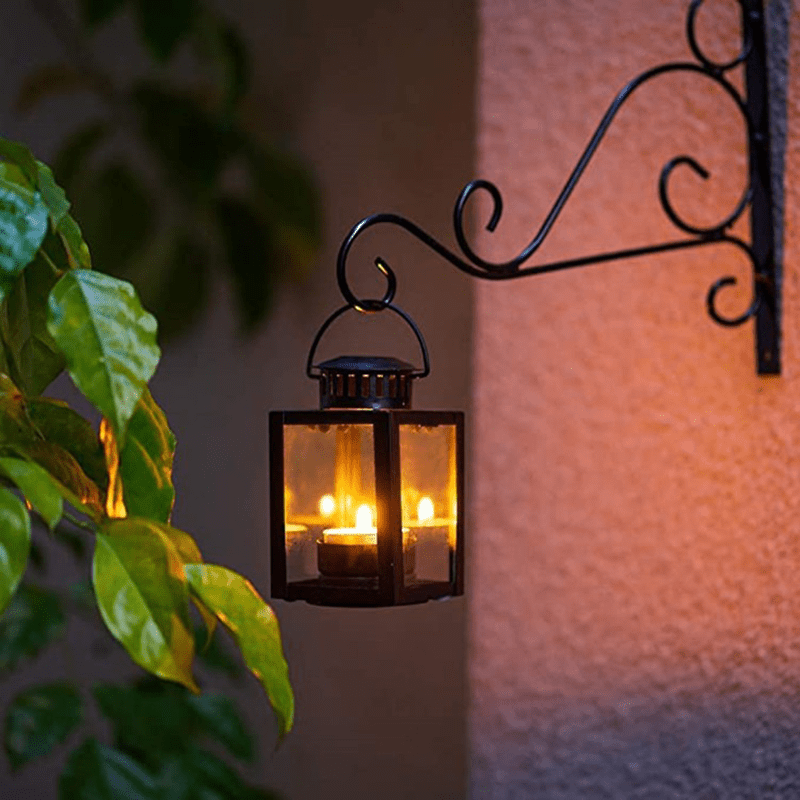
[(364, 592), (335, 560)]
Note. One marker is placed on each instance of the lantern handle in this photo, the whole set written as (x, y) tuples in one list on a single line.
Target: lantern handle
[(426, 364)]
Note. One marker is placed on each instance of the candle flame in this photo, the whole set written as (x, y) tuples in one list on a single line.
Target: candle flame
[(364, 519), (425, 509), (327, 505)]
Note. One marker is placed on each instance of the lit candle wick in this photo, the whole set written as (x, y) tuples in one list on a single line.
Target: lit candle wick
[(364, 532), (425, 509), (327, 505), (364, 519)]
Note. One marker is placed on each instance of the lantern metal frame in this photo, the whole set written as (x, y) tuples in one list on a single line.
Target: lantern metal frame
[(389, 587)]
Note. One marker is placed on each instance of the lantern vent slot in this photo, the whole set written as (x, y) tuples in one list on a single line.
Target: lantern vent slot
[(365, 382)]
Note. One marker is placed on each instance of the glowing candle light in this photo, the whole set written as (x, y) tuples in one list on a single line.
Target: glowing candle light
[(425, 510), (327, 505), (364, 532), (364, 519), (350, 551)]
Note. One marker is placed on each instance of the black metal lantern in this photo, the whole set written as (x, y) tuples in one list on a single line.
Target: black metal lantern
[(366, 493)]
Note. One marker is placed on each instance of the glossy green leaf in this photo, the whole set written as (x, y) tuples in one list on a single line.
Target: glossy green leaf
[(209, 621), (76, 488), (97, 772), (32, 621), (5, 369), (61, 425), (37, 176), (38, 486), (14, 174), (222, 721), (15, 331), (15, 544), (40, 718), (52, 194), (23, 225), (146, 462), (163, 23), (255, 628), (95, 12), (189, 553), (33, 357), (143, 597), (74, 245), (108, 339), (15, 426), (19, 155), (183, 544), (53, 252), (22, 171), (39, 357), (116, 215), (249, 253)]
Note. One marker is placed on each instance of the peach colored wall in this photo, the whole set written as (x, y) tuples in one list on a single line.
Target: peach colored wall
[(635, 580)]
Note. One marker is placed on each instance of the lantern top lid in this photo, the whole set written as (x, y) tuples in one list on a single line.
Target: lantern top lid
[(374, 382), (366, 364)]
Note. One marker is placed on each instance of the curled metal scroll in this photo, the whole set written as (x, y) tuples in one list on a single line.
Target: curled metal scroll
[(470, 262)]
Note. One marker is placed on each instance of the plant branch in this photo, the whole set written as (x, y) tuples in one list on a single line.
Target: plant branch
[(79, 523), (49, 261)]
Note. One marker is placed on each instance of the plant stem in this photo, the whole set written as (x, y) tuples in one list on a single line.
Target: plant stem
[(79, 523), (49, 261)]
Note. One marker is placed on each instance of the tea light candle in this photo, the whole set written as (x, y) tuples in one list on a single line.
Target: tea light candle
[(350, 552)]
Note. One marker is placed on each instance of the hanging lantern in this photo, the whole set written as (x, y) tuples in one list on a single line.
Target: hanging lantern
[(366, 493)]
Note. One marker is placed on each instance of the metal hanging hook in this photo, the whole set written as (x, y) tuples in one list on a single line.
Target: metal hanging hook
[(426, 364), (756, 195)]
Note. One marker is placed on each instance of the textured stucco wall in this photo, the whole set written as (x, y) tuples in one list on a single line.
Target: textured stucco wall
[(635, 600)]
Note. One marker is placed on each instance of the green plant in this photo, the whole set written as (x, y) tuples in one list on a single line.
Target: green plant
[(193, 185), (113, 486)]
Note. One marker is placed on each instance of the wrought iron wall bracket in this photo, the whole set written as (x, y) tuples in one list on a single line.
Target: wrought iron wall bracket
[(764, 305)]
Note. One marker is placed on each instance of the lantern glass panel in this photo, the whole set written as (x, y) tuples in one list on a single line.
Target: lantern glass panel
[(329, 480), (429, 498)]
